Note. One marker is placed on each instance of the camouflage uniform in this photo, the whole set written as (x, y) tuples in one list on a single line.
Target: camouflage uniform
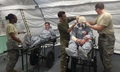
[(13, 54), (106, 40), (106, 48), (64, 40), (64, 57)]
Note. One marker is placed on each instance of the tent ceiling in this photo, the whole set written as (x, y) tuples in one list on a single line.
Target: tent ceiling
[(16, 2), (30, 4)]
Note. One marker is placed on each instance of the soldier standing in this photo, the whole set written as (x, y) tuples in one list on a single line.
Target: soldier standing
[(64, 31), (12, 42), (106, 38)]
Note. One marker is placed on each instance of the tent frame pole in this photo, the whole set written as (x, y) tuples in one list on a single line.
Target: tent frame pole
[(40, 10)]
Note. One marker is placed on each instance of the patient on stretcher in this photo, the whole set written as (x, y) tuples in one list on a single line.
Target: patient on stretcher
[(45, 35), (80, 43)]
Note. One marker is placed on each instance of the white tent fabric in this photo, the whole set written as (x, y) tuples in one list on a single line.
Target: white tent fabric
[(48, 9)]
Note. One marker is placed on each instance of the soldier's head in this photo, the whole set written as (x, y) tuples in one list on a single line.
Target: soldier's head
[(12, 18), (99, 7), (62, 15)]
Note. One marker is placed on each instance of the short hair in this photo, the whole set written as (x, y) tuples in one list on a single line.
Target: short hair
[(47, 23), (10, 16), (60, 13), (99, 5)]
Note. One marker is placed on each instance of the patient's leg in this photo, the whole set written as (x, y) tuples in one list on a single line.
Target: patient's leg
[(87, 45), (72, 44), (84, 50), (82, 53), (74, 54), (72, 49)]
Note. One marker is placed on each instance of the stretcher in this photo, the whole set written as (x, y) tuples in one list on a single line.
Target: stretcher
[(91, 61), (35, 54), (38, 52)]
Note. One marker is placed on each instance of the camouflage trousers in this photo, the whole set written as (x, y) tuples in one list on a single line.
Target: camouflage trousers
[(106, 49), (13, 56), (64, 56)]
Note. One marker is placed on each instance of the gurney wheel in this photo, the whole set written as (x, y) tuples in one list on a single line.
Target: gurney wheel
[(50, 59), (34, 57)]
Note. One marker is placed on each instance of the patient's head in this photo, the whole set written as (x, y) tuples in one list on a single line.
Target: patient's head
[(81, 19), (47, 25)]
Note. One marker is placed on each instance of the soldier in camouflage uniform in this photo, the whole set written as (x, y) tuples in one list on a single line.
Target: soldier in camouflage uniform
[(106, 38), (64, 31), (12, 42)]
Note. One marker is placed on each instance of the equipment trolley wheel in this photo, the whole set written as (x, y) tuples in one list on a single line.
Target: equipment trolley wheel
[(50, 59), (34, 57)]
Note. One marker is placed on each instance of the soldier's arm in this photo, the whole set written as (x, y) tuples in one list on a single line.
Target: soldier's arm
[(72, 18), (15, 38), (69, 30), (69, 19)]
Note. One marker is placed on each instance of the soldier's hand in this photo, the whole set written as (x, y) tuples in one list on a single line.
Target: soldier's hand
[(87, 24), (90, 22), (77, 18), (78, 41)]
